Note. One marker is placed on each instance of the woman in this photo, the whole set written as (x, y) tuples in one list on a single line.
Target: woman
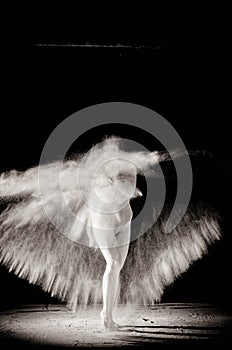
[(115, 185)]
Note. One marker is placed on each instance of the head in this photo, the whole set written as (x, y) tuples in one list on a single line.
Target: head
[(115, 180)]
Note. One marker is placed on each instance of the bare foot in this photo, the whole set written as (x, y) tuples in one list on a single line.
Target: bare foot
[(108, 322)]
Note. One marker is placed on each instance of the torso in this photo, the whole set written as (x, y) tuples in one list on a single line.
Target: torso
[(115, 220)]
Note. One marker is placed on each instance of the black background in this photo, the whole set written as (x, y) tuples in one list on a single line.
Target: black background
[(177, 68)]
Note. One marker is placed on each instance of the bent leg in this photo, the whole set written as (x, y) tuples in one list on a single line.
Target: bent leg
[(109, 291), (115, 257)]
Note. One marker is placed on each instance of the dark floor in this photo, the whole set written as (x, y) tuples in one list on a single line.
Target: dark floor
[(166, 325)]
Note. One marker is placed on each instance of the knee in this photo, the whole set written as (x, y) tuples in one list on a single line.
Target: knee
[(113, 266)]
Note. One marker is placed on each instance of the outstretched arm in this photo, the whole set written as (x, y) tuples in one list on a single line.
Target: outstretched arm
[(145, 161)]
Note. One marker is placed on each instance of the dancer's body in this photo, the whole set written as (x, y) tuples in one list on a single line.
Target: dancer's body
[(112, 228)]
